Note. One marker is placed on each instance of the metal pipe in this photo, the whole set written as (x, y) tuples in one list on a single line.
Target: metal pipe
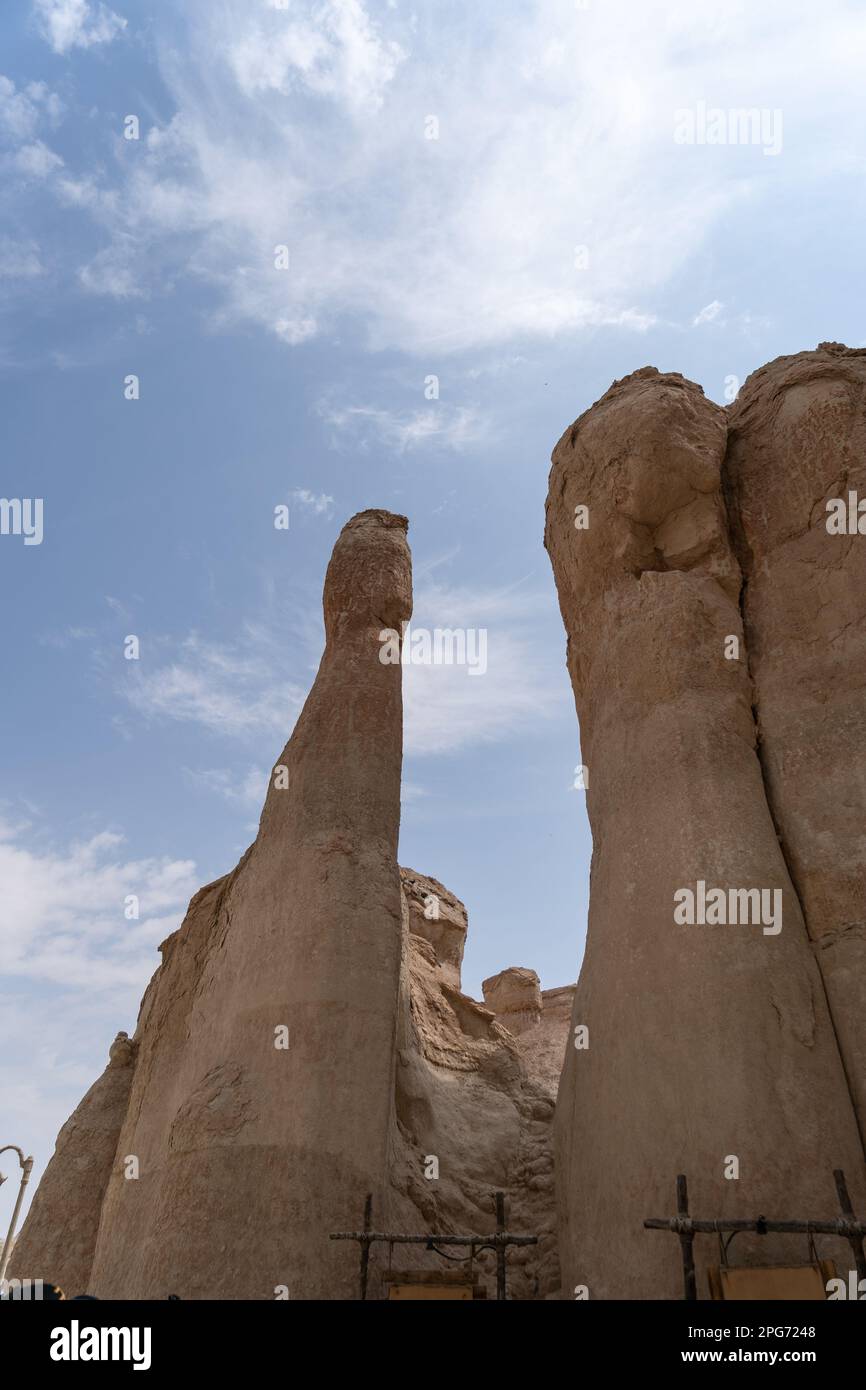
[(687, 1224), (498, 1238), (687, 1242), (855, 1240), (500, 1249), (365, 1246)]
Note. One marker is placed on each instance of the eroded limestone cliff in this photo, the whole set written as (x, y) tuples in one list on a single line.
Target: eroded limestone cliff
[(708, 1041), (305, 1040), (62, 1224), (475, 1089)]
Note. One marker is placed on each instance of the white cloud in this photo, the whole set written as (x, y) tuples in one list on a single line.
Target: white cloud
[(245, 690), (77, 23), (411, 792), (445, 709), (320, 504), (455, 428), (233, 690), (63, 911), (248, 790), (19, 260), (72, 967), (708, 313), (22, 110), (64, 638), (37, 160), (334, 50), (117, 607), (306, 127), (113, 271)]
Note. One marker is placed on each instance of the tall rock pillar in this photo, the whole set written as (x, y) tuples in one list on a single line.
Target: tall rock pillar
[(705, 1047), (261, 1106)]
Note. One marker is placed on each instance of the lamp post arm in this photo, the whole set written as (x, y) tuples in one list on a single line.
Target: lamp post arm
[(26, 1170)]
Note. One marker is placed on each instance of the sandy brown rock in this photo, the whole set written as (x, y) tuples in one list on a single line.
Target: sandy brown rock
[(514, 995), (438, 917), (249, 1153), (543, 1045), (704, 1041), (478, 1098), (57, 1240), (797, 439)]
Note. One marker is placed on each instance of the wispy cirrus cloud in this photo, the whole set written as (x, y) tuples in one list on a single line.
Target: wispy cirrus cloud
[(362, 426), (235, 690), (708, 314), (445, 709), (247, 789), (245, 689), (532, 195)]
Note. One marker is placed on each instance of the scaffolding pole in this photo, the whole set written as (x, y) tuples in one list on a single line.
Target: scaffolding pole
[(498, 1242), (846, 1227)]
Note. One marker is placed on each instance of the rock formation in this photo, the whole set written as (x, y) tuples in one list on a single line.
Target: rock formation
[(476, 1093), (305, 1040), (797, 442), (59, 1234), (262, 1095), (705, 1042)]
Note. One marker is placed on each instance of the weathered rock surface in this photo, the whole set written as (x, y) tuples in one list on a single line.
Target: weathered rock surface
[(797, 439), (57, 1241), (438, 917), (477, 1095), (250, 1153), (515, 996), (226, 1160), (705, 1041)]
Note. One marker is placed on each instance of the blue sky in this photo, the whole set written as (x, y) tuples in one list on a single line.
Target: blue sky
[(459, 256)]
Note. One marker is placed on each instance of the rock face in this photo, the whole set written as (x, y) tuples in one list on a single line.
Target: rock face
[(305, 1040), (60, 1231), (705, 1042), (438, 917), (476, 1096), (797, 441), (262, 1095), (515, 995)]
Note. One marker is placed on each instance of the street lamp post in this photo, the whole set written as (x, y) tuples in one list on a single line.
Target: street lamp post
[(26, 1169)]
